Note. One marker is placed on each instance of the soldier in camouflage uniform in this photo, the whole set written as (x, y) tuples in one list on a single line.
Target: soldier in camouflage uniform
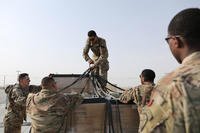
[(99, 63), (174, 105), (140, 94), (48, 109), (16, 110)]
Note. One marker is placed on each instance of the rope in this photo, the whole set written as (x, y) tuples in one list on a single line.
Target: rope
[(104, 80), (85, 86), (95, 88), (109, 89), (119, 116), (97, 81), (83, 75), (105, 120), (98, 88), (110, 119)]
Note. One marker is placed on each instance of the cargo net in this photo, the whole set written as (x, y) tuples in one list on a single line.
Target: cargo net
[(101, 86)]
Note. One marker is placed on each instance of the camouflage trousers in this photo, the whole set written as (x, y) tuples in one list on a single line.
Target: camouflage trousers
[(12, 128), (12, 123), (102, 71)]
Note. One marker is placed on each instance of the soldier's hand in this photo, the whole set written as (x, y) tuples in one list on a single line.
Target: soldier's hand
[(90, 61), (123, 99), (92, 66)]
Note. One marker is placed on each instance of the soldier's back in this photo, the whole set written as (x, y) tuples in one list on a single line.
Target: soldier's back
[(176, 100)]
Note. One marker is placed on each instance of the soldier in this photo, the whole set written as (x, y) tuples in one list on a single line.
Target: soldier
[(16, 110), (140, 94), (99, 63), (48, 109), (174, 104)]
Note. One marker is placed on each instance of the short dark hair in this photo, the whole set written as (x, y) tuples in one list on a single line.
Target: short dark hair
[(92, 33), (186, 24), (22, 75), (47, 81), (149, 75)]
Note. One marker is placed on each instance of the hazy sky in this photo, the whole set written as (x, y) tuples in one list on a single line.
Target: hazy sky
[(47, 36)]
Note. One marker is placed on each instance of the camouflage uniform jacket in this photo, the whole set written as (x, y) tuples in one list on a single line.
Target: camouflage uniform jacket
[(99, 49), (48, 111), (16, 110), (139, 94), (175, 103)]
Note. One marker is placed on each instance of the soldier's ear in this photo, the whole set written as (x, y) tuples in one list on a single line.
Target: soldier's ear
[(54, 85), (178, 43)]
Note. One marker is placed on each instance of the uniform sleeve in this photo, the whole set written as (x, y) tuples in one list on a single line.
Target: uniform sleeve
[(154, 115), (177, 108), (183, 99), (146, 97), (127, 95), (34, 88), (28, 103), (18, 97), (103, 53), (86, 51)]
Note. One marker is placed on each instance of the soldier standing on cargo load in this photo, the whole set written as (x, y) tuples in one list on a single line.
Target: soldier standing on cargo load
[(140, 94), (48, 109), (16, 110), (175, 102), (99, 63)]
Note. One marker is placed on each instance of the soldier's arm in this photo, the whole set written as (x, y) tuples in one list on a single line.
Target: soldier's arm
[(143, 102), (103, 53), (154, 115), (182, 116), (34, 88), (18, 97), (146, 97), (28, 102), (127, 95), (86, 51)]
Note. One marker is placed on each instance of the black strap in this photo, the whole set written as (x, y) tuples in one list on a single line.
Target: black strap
[(82, 76), (110, 118), (104, 80), (119, 116)]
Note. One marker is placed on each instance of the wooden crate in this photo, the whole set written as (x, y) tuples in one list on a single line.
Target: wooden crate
[(91, 118)]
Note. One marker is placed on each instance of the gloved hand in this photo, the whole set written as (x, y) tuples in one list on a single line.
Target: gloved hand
[(90, 61), (92, 66)]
